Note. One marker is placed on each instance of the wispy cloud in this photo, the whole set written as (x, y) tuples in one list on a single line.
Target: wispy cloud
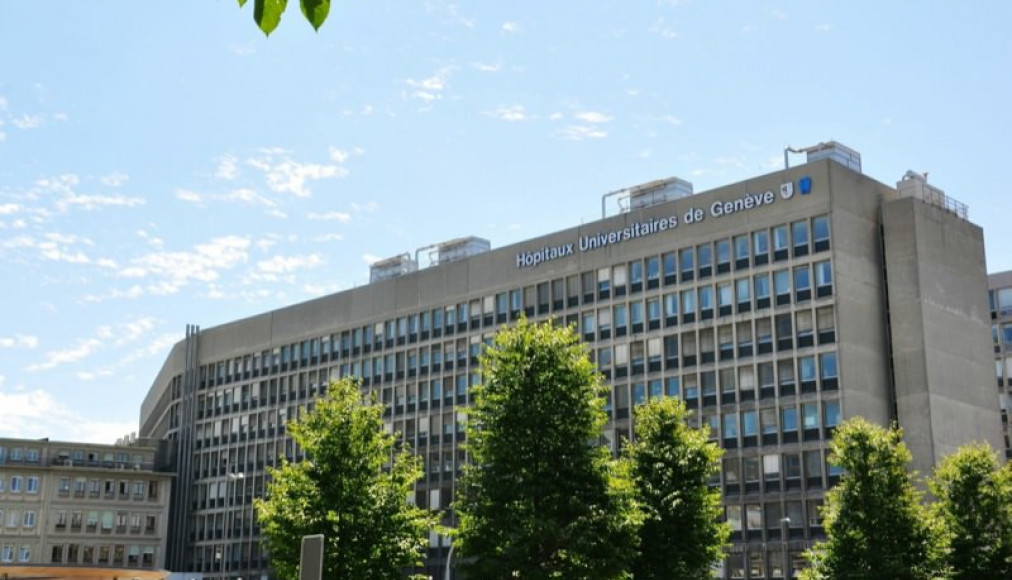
[(430, 88), (167, 272), (510, 113), (339, 216), (581, 132), (116, 179), (37, 413), (105, 336), (286, 175), (286, 264), (487, 67), (824, 27), (663, 29), (510, 27), (228, 168), (592, 117), (19, 341)]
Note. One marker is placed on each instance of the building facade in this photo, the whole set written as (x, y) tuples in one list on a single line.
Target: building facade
[(775, 307), (1000, 300), (79, 504)]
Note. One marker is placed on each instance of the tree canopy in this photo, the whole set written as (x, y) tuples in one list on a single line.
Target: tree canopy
[(974, 505), (352, 488), (681, 536), (877, 527), (542, 499), (267, 13)]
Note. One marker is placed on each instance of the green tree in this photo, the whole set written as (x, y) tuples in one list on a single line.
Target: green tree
[(877, 527), (974, 504), (352, 488), (543, 499), (267, 13), (682, 535)]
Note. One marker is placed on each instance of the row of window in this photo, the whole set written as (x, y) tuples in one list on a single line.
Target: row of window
[(8, 551), (19, 483), (17, 518), (19, 454), (774, 517), (131, 556), (685, 265), (108, 488), (106, 521), (73, 457)]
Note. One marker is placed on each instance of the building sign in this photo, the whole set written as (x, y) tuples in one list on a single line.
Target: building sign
[(717, 209)]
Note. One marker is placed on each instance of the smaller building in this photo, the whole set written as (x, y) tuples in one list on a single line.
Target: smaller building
[(82, 504), (1000, 300)]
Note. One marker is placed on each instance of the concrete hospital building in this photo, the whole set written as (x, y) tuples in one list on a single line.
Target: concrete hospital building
[(775, 307)]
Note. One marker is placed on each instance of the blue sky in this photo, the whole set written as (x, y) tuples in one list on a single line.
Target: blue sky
[(164, 164)]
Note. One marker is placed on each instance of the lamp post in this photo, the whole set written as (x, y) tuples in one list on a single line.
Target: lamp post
[(788, 571), (449, 562)]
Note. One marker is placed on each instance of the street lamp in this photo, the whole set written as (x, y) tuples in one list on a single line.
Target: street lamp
[(788, 569), (449, 562)]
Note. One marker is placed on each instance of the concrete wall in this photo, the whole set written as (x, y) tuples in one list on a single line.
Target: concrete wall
[(940, 330)]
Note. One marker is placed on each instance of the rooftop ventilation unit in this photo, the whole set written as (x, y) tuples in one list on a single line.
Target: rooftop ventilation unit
[(648, 194), (392, 268), (460, 248), (829, 150), (916, 185)]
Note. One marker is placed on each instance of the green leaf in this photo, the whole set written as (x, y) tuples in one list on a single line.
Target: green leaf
[(315, 11), (267, 14), (242, 3)]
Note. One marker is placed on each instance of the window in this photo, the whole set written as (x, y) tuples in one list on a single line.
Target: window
[(820, 233), (705, 302), (704, 256), (723, 256), (670, 267), (635, 276), (780, 242), (823, 279), (831, 413), (29, 520), (686, 258), (16, 481), (621, 319), (730, 425), (761, 247), (827, 365), (749, 423), (806, 369), (810, 415), (802, 283), (755, 521), (671, 386), (604, 282), (725, 298), (24, 553), (771, 467), (33, 484), (789, 419), (762, 291), (689, 308), (782, 286), (825, 325), (653, 271), (741, 255), (734, 517), (743, 292), (7, 553), (768, 418), (799, 231)]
